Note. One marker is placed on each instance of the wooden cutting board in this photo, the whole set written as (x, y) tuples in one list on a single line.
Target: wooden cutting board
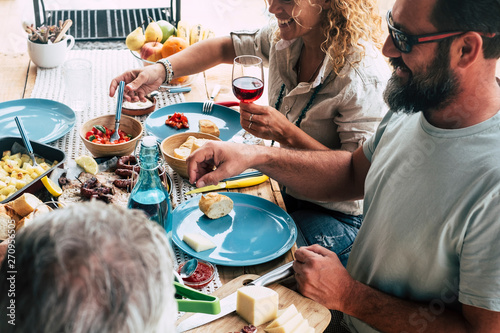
[(317, 315)]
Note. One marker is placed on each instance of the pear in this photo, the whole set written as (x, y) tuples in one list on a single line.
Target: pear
[(135, 40), (153, 32)]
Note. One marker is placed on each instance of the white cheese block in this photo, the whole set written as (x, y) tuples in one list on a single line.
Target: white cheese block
[(310, 330), (283, 317), (198, 242), (289, 326), (256, 304)]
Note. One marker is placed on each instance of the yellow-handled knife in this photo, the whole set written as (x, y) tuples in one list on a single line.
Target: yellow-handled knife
[(244, 182)]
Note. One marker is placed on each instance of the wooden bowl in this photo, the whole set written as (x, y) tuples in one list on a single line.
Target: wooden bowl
[(168, 145), (136, 110), (127, 124)]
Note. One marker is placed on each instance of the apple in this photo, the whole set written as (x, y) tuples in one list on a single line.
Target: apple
[(166, 28), (151, 51)]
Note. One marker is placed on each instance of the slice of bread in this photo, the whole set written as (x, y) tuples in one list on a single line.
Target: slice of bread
[(208, 126), (25, 204), (188, 143), (198, 143), (5, 220), (182, 153), (215, 205)]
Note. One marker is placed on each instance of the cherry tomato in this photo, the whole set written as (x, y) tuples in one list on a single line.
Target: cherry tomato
[(101, 134)]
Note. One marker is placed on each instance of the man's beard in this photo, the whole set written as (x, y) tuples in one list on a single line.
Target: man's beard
[(433, 89)]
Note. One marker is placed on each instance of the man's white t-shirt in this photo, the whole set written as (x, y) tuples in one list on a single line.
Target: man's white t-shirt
[(431, 230)]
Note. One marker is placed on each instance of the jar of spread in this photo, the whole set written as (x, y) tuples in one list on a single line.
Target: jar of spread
[(202, 276)]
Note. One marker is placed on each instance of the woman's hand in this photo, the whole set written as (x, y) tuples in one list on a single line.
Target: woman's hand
[(265, 122), (139, 82)]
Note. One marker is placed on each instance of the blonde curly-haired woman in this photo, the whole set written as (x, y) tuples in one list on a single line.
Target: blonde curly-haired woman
[(325, 85)]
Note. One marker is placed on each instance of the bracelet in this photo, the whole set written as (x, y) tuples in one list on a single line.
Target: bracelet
[(169, 72)]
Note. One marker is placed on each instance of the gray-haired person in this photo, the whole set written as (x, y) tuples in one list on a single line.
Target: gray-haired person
[(89, 267)]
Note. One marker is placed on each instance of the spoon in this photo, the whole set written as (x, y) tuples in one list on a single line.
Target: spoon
[(188, 269), (115, 136), (26, 141), (66, 25)]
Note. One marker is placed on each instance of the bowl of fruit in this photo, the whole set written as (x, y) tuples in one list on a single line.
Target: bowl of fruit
[(161, 40)]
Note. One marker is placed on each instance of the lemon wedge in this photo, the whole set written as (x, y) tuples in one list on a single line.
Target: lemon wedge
[(87, 163), (52, 187)]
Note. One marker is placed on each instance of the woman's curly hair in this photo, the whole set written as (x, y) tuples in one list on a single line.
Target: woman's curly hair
[(347, 23)]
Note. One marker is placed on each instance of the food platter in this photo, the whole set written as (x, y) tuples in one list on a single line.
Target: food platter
[(57, 119), (226, 119), (256, 231)]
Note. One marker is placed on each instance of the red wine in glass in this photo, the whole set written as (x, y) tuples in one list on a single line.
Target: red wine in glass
[(248, 89)]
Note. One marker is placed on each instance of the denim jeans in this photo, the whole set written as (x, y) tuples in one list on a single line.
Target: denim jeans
[(317, 225)]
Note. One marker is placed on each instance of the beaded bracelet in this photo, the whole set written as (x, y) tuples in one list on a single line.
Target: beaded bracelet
[(169, 72)]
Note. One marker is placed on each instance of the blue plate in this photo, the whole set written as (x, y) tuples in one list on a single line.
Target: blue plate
[(44, 120), (226, 119), (256, 231)]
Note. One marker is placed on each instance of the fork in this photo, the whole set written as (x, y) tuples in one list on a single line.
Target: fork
[(24, 136), (116, 136), (209, 105)]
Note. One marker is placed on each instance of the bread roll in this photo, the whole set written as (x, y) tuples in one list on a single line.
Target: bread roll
[(207, 126), (25, 204), (5, 220), (215, 205), (25, 221)]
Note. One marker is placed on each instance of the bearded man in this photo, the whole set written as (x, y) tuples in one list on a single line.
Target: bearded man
[(427, 257)]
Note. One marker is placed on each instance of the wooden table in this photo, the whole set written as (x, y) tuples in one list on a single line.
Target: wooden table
[(17, 79)]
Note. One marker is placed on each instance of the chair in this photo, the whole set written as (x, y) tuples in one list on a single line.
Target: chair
[(105, 24)]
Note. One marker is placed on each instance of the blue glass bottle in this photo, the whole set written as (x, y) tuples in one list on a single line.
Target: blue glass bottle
[(149, 194)]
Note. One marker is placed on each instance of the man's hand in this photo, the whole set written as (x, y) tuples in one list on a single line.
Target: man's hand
[(139, 82), (321, 276), (229, 159)]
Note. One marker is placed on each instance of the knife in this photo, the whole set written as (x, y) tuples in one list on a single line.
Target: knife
[(244, 175), (245, 182), (228, 303), (173, 90)]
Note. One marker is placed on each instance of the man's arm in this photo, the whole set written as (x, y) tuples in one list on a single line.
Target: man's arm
[(321, 277), (319, 175)]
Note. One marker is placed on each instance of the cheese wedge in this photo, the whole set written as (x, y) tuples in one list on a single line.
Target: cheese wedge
[(283, 317), (302, 327), (289, 326), (257, 304), (198, 242)]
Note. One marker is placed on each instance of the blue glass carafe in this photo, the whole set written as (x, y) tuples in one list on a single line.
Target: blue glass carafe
[(149, 193)]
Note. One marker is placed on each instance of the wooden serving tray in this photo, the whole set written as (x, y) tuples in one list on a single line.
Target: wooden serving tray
[(316, 314)]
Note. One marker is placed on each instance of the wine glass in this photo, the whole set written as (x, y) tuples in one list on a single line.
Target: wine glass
[(248, 78)]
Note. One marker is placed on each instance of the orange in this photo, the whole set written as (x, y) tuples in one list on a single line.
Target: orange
[(179, 80), (173, 45)]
